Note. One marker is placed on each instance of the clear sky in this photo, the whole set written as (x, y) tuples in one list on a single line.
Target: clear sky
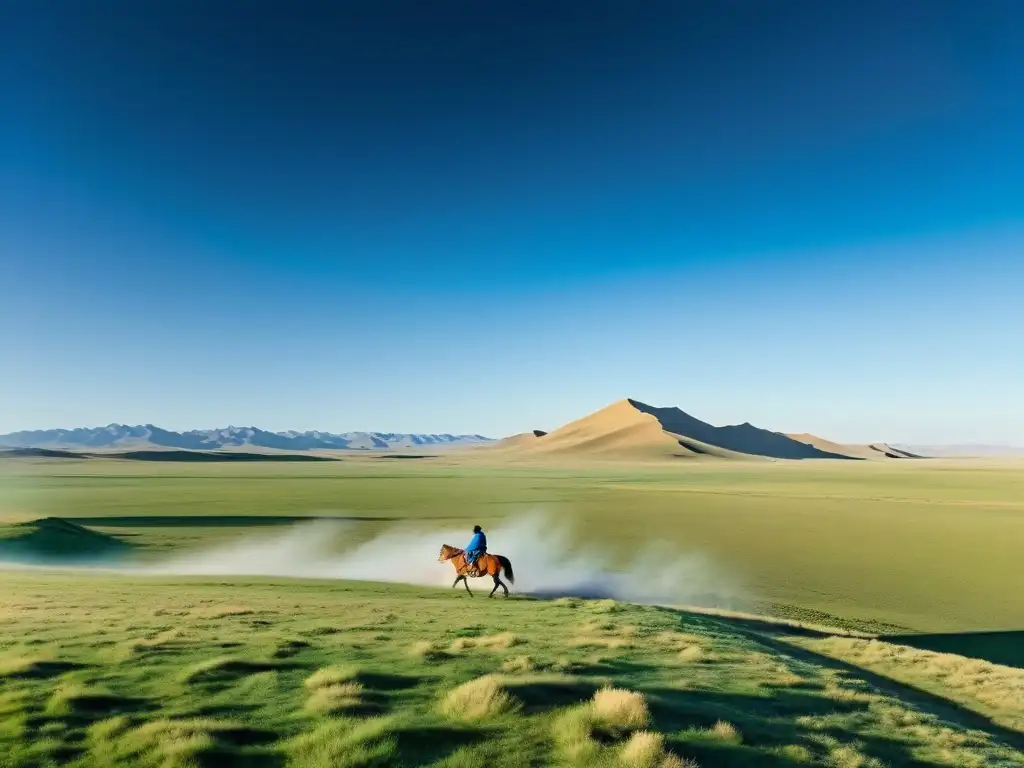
[(474, 216)]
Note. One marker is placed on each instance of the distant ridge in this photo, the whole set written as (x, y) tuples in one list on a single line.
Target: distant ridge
[(145, 436), (162, 454), (630, 429)]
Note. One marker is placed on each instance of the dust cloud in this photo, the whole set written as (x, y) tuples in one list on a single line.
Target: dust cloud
[(543, 558)]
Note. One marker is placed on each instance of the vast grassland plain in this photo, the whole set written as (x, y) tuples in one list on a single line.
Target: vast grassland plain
[(925, 546), (107, 669)]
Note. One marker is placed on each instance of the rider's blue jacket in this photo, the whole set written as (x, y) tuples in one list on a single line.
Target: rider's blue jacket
[(477, 543)]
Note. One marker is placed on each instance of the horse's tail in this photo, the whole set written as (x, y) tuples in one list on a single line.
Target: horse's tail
[(507, 565)]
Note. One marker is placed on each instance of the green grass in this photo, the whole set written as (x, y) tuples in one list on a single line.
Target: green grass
[(998, 647), (103, 671), (922, 546), (98, 670)]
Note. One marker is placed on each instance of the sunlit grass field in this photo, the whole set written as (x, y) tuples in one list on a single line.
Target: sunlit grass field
[(105, 671), (926, 546)]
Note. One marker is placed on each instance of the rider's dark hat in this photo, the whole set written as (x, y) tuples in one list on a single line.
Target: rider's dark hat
[(477, 529)]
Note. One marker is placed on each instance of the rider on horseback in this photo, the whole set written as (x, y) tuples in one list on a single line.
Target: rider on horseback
[(477, 546)]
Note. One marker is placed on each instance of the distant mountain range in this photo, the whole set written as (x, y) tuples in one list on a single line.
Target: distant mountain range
[(147, 435)]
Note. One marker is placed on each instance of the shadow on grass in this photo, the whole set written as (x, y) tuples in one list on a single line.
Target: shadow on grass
[(765, 721), (909, 695), (1006, 648), (425, 744), (765, 625), (889, 752), (290, 648), (730, 755), (386, 681), (769, 720), (96, 706), (768, 725), (225, 757), (41, 670), (245, 736), (81, 710), (230, 670), (544, 695)]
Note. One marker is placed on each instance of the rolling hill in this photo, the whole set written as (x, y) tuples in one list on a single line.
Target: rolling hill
[(51, 539), (629, 429), (144, 436)]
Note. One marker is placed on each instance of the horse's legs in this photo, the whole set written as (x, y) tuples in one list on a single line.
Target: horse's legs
[(465, 583), (457, 580), (503, 586), (497, 581)]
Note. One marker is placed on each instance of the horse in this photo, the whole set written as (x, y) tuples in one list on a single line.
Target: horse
[(487, 565)]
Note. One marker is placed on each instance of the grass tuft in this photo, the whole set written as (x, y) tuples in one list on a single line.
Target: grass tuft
[(596, 641), (691, 654), (850, 757), (519, 665), (726, 732), (567, 602), (334, 698), (606, 606), (331, 675), (478, 699), (222, 611), (573, 735), (165, 743), (428, 651), (795, 753), (499, 642), (344, 744), (645, 749), (619, 709)]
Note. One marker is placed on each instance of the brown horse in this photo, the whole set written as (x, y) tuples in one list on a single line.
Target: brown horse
[(486, 565)]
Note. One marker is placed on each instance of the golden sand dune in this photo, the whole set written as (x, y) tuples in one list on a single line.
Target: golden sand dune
[(869, 451), (629, 429), (853, 451), (893, 453), (618, 429)]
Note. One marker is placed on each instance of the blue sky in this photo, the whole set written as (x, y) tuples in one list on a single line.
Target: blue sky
[(494, 217)]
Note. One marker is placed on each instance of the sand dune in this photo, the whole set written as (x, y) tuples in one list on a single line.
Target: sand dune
[(516, 441), (852, 451), (894, 453), (868, 451), (629, 429), (618, 429)]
